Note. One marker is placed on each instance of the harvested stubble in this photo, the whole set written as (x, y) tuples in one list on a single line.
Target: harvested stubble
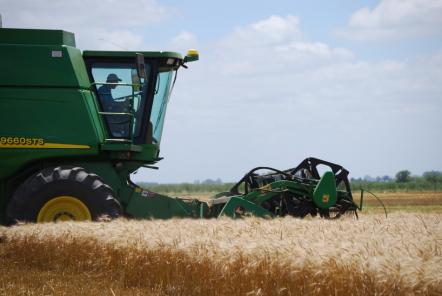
[(401, 255)]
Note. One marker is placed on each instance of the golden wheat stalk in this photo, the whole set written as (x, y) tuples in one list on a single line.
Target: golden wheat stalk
[(400, 255)]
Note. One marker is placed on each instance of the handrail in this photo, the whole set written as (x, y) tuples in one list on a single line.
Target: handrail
[(117, 113), (118, 140), (116, 83)]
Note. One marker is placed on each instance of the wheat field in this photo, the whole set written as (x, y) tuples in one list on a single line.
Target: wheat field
[(400, 255)]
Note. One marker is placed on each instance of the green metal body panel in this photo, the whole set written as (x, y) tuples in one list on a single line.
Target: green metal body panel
[(42, 66), (3, 201), (40, 113), (150, 205), (325, 193), (274, 188), (239, 207), (33, 36), (49, 114)]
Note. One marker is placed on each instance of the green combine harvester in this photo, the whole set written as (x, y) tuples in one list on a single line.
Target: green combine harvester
[(74, 126)]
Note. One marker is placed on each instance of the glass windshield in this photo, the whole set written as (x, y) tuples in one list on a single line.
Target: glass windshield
[(161, 98), (122, 93)]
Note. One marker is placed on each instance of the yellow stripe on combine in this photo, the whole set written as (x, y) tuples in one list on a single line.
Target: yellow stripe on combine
[(45, 146)]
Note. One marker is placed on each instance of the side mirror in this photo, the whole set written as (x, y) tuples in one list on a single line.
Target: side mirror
[(141, 67), (191, 56)]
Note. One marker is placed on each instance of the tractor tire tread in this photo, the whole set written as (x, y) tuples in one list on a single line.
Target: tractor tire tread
[(30, 196)]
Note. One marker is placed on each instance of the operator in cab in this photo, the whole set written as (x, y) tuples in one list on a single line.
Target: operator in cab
[(118, 124)]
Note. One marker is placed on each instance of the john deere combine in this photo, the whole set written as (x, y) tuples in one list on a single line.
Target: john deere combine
[(74, 125)]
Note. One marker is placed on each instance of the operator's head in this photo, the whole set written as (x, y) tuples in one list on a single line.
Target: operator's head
[(113, 78)]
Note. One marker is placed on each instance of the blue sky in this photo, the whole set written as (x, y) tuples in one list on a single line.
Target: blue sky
[(318, 21), (354, 82)]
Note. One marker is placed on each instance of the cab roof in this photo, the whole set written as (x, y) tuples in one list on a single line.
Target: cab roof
[(59, 37), (124, 54)]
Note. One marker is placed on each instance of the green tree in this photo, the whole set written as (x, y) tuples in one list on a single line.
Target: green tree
[(403, 176), (433, 177)]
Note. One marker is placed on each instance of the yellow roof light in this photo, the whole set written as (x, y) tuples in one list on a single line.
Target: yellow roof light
[(192, 55)]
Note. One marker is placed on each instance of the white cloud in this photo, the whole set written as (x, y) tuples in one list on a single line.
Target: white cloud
[(271, 31), (395, 19), (270, 46), (274, 28), (118, 22), (119, 40), (316, 50), (254, 100), (183, 41)]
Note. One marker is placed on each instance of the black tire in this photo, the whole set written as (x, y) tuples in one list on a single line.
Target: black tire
[(75, 182)]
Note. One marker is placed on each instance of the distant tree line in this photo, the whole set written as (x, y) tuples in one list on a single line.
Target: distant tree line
[(187, 188), (402, 181), (208, 181)]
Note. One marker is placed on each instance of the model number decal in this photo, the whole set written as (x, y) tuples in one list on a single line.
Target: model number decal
[(8, 142), (22, 141)]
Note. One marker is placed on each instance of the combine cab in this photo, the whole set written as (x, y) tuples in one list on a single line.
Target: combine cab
[(74, 125)]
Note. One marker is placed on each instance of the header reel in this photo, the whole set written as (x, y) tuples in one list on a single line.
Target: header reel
[(297, 192)]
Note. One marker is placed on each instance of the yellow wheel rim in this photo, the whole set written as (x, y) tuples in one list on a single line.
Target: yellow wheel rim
[(64, 208)]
